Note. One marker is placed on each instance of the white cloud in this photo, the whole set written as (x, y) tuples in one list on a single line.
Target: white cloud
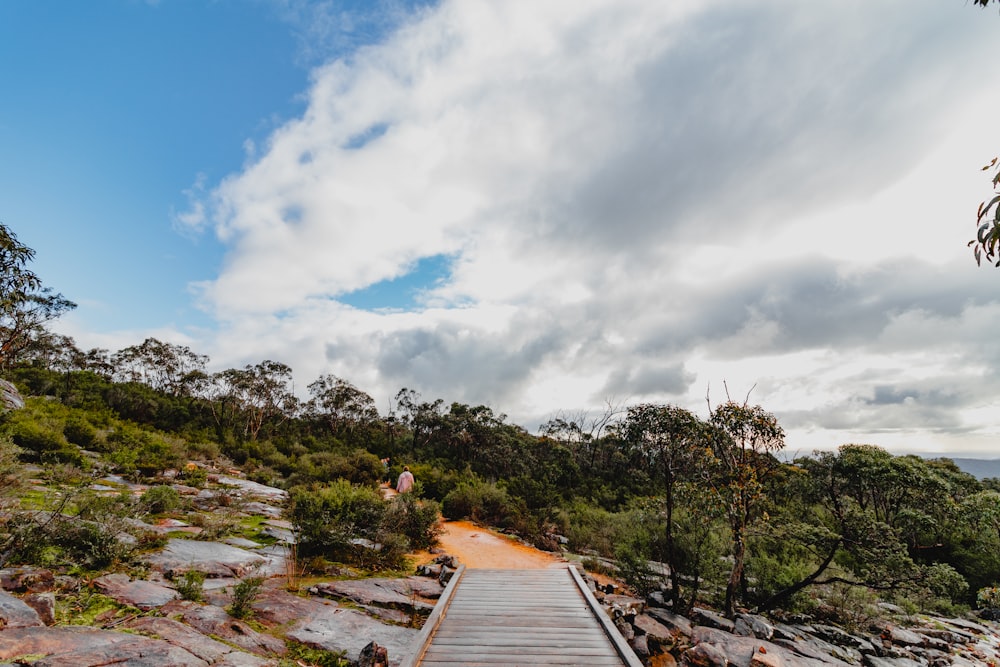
[(640, 197)]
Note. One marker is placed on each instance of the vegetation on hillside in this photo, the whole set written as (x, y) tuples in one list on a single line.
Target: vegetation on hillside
[(736, 526)]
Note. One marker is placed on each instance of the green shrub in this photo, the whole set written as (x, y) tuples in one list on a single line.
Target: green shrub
[(328, 518), (161, 499), (415, 519), (41, 443), (80, 432), (245, 594), (191, 586), (484, 503)]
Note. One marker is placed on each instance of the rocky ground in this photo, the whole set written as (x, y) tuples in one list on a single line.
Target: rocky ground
[(706, 639), (138, 619)]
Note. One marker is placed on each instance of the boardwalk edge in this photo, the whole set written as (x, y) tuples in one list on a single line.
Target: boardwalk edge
[(625, 651), (419, 646)]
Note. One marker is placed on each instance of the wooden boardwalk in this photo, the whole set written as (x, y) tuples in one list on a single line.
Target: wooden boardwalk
[(519, 617)]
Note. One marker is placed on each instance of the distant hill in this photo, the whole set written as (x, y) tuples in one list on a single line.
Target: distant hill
[(981, 468)]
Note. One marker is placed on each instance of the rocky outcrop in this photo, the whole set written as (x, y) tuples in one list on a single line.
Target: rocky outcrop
[(212, 558), (142, 594), (707, 639)]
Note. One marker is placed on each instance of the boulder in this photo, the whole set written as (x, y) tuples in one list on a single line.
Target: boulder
[(26, 579), (372, 591), (15, 613), (79, 646), (705, 655), (822, 653), (10, 397), (44, 604), (677, 623), (903, 637), (655, 630), (740, 651), (145, 595), (711, 619), (751, 625), (875, 661)]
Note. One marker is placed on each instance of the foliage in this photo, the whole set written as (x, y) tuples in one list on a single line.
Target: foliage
[(26, 305), (484, 503), (245, 593), (329, 520), (190, 586), (742, 442), (160, 499), (988, 597), (417, 520)]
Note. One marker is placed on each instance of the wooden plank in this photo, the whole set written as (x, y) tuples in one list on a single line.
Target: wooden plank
[(519, 617)]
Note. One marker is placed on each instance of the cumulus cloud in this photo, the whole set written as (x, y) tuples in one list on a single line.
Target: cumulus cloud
[(639, 199)]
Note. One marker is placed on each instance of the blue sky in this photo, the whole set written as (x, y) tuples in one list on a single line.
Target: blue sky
[(548, 208)]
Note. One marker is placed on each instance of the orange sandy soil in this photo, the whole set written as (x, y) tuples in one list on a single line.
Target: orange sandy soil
[(481, 548), (477, 547)]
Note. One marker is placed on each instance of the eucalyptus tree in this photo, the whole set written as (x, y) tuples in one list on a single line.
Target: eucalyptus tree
[(743, 439), (246, 399), (26, 305), (672, 443), (166, 367), (349, 412)]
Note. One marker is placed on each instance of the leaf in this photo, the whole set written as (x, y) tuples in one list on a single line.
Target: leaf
[(978, 253), (981, 234)]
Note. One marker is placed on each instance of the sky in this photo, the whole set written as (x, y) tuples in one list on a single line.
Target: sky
[(551, 208)]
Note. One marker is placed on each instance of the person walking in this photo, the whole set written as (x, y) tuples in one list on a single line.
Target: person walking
[(405, 481)]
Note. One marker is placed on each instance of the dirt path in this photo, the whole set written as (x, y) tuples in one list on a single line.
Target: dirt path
[(481, 548), (477, 547)]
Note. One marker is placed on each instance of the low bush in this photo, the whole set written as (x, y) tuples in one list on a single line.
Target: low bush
[(484, 503), (160, 499), (415, 519)]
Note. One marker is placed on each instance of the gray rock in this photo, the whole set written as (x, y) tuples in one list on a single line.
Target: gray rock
[(705, 655), (77, 646), (875, 661), (378, 591), (677, 623), (751, 625), (212, 558), (640, 645), (145, 595), (248, 488), (44, 604), (263, 509), (813, 649), (10, 397), (15, 613), (740, 651), (656, 631), (627, 630), (711, 619), (280, 534), (904, 637), (242, 543)]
